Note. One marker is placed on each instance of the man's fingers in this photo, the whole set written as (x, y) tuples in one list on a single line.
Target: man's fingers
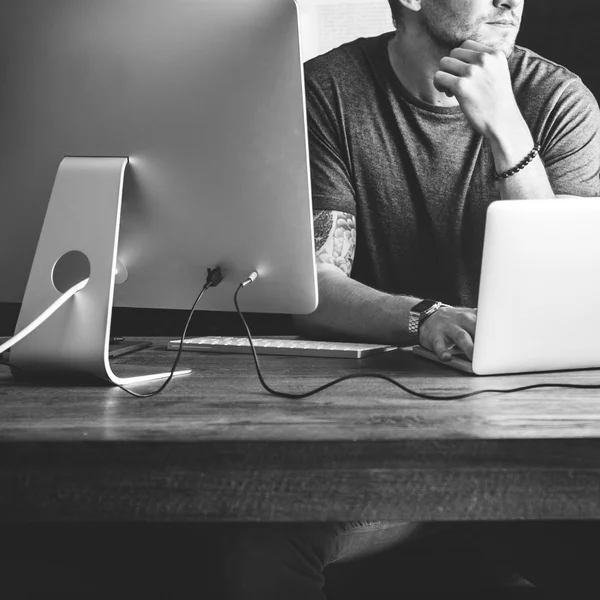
[(468, 321), (468, 56), (454, 66), (445, 82), (440, 347), (463, 340), (443, 90)]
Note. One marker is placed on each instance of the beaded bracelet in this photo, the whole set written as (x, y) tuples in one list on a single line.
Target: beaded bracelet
[(521, 165)]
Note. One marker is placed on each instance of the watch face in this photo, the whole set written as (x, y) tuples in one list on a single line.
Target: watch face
[(423, 306)]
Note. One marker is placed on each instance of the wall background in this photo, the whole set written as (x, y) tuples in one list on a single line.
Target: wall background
[(326, 24), (565, 33)]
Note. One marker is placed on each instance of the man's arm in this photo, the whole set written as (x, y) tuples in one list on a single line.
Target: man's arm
[(350, 310), (479, 78)]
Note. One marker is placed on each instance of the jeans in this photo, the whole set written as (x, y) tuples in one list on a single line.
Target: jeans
[(272, 561)]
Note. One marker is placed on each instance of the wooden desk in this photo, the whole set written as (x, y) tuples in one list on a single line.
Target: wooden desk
[(216, 447)]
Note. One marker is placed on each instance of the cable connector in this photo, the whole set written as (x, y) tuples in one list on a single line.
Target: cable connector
[(214, 277), (251, 279)]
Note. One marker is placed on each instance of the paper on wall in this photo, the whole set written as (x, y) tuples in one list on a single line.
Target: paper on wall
[(326, 24)]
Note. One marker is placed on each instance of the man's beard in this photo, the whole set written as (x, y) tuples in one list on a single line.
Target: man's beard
[(449, 38)]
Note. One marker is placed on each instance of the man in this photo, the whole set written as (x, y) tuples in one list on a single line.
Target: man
[(406, 134), (412, 135)]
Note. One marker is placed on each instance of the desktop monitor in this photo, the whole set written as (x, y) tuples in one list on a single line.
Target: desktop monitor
[(159, 138)]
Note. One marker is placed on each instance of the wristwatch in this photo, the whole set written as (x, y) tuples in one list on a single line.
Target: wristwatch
[(418, 314)]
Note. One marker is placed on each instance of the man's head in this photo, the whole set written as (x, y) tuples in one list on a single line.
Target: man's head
[(449, 23)]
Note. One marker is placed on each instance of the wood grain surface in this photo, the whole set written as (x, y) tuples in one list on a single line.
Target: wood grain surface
[(216, 447)]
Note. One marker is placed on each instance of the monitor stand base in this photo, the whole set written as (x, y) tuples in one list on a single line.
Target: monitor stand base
[(83, 215)]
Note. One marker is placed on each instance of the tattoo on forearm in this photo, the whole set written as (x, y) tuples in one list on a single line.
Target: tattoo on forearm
[(335, 238), (322, 223)]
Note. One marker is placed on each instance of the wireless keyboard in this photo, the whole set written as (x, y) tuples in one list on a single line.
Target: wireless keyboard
[(278, 345)]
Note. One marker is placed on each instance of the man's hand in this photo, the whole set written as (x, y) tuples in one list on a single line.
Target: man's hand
[(448, 327), (479, 78)]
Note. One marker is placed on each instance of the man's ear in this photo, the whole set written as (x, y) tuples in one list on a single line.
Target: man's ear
[(414, 5)]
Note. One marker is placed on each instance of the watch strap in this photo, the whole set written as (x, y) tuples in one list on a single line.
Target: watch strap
[(416, 317)]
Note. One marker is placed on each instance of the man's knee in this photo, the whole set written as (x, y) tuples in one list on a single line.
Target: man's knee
[(262, 559), (281, 542)]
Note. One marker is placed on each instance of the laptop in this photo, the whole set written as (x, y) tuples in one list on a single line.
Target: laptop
[(540, 280)]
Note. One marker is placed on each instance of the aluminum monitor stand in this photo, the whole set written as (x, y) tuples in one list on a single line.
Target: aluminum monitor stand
[(83, 215)]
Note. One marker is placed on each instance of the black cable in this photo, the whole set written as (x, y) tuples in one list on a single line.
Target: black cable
[(388, 379), (213, 278)]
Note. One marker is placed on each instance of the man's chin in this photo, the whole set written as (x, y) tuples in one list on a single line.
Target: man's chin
[(506, 46), (508, 49)]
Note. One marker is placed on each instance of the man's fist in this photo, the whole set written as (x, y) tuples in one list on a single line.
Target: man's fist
[(479, 78)]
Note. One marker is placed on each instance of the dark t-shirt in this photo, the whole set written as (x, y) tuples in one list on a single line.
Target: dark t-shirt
[(418, 177)]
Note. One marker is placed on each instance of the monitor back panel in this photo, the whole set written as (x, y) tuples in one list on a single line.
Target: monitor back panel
[(206, 99)]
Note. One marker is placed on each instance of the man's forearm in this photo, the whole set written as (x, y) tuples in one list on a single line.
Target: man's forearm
[(509, 149), (350, 310)]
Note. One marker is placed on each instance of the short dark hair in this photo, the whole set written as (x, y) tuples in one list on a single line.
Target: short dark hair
[(396, 10)]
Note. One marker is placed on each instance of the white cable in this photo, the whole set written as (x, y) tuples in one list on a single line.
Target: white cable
[(44, 316)]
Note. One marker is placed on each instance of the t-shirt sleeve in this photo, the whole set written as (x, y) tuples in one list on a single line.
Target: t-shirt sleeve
[(331, 181), (571, 144)]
